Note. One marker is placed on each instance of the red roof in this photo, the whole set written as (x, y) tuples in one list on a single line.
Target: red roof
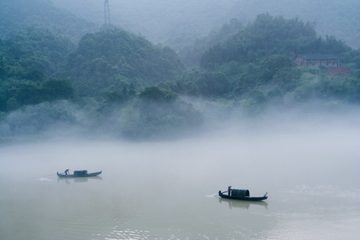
[(339, 71)]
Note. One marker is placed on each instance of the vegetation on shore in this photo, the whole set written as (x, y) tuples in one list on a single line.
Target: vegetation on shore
[(118, 83)]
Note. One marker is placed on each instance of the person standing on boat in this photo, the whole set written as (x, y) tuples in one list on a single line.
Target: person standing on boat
[(229, 190), (66, 171)]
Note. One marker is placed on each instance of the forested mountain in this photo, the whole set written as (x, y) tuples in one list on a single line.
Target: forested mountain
[(255, 66), (114, 82), (101, 85), (269, 35), (28, 60), (191, 55), (113, 58), (340, 19), (18, 14)]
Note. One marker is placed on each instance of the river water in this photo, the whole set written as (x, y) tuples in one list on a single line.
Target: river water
[(168, 190)]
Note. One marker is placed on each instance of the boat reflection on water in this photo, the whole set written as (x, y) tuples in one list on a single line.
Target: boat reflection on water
[(242, 204), (78, 180)]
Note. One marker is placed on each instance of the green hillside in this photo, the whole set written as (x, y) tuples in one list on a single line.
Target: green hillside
[(113, 82), (255, 66), (112, 59), (28, 61)]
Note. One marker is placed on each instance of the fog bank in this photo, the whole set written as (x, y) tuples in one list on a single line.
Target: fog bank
[(159, 189), (64, 120)]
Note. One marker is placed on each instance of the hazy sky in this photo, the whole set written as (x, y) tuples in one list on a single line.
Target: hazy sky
[(173, 21)]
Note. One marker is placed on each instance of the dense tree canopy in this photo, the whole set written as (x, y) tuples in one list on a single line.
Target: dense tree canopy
[(256, 65), (113, 58), (124, 85), (191, 55), (271, 35), (28, 60)]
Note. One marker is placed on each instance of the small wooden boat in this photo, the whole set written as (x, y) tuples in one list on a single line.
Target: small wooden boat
[(76, 174), (241, 194)]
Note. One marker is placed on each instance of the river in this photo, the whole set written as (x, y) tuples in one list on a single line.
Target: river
[(168, 190)]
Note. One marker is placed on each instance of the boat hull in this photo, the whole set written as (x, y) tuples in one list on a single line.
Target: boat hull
[(94, 174), (223, 195)]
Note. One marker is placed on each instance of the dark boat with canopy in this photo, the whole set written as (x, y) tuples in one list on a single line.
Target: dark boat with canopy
[(240, 194), (78, 173)]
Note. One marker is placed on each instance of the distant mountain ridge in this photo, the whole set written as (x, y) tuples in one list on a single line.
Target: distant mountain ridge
[(19, 14), (178, 23)]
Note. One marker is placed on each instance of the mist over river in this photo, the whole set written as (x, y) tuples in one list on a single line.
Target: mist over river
[(168, 190)]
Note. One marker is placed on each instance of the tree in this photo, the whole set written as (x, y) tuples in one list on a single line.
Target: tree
[(103, 56), (155, 94)]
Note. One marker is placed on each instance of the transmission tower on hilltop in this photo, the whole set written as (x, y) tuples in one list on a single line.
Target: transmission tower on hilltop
[(107, 13)]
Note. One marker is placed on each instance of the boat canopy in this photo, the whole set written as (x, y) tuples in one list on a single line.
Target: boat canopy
[(81, 172), (240, 193)]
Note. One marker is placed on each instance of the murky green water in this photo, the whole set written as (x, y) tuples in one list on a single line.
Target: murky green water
[(168, 190)]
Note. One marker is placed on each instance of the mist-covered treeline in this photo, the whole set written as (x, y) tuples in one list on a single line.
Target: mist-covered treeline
[(110, 75), (178, 23), (29, 59), (114, 82), (255, 66)]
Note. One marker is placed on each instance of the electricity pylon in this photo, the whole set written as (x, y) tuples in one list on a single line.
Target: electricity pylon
[(107, 13)]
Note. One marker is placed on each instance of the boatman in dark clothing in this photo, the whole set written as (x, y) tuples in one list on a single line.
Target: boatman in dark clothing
[(66, 171), (229, 190)]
